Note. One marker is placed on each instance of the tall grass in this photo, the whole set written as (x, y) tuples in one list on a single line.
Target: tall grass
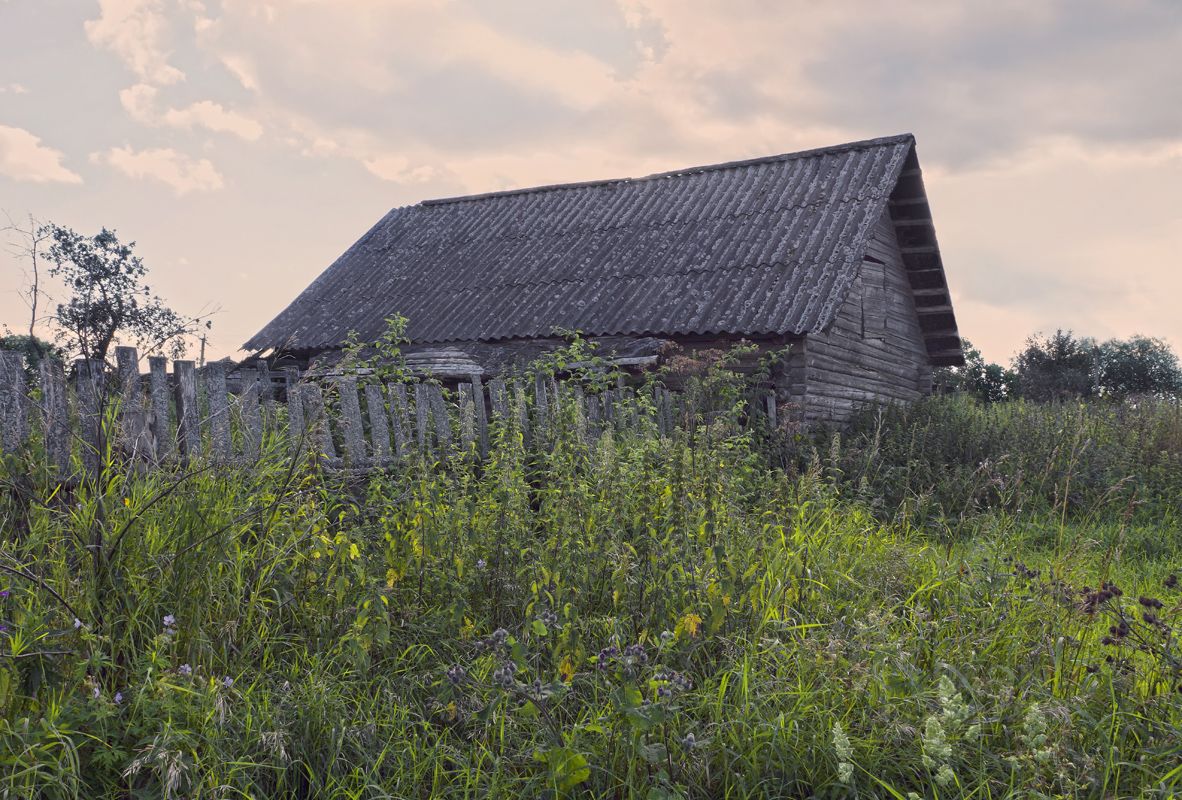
[(644, 617)]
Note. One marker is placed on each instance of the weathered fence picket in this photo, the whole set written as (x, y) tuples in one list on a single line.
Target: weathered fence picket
[(156, 419)]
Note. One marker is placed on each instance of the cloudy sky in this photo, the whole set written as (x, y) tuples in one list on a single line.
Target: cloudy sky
[(244, 144)]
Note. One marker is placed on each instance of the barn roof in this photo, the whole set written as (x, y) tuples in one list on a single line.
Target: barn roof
[(764, 246)]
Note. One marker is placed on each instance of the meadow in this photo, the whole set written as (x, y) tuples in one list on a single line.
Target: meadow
[(952, 600)]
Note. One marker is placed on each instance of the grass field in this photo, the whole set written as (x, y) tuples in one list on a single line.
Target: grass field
[(953, 601)]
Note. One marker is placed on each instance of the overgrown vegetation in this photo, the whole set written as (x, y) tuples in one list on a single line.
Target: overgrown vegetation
[(958, 600)]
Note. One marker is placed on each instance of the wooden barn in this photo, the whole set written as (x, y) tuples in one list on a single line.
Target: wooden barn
[(829, 251)]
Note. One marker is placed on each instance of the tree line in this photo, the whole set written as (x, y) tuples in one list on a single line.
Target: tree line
[(1063, 366)]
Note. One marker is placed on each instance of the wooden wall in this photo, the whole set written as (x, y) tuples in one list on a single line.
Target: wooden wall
[(873, 354)]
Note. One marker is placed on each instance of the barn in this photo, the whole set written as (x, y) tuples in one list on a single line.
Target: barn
[(830, 252)]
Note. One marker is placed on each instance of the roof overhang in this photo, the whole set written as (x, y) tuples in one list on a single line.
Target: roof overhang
[(912, 218)]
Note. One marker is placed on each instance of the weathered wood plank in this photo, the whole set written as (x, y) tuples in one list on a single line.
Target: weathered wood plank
[(521, 411), (89, 385), (467, 418), (440, 417), (299, 436), (14, 421), (498, 395), (55, 414), (317, 421), (481, 414), (135, 435), (541, 409), (399, 419), (422, 417), (217, 396), (379, 428), (250, 417), (161, 404), (188, 415), (351, 424)]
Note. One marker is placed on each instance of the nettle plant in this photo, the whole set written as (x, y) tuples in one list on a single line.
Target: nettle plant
[(379, 360), (636, 698)]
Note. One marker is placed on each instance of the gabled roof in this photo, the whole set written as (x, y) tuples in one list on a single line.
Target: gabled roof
[(765, 246)]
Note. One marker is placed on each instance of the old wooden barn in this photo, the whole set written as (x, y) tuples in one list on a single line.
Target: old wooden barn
[(830, 251)]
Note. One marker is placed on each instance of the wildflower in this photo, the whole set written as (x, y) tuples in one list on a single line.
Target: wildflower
[(666, 637), (637, 652), (185, 670), (227, 682), (1171, 581), (95, 693), (4, 593), (549, 618), (456, 674), (688, 741), (503, 675), (481, 563), (1150, 602), (77, 623), (169, 621), (118, 698), (499, 636)]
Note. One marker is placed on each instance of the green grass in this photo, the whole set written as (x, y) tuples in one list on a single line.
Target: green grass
[(830, 625)]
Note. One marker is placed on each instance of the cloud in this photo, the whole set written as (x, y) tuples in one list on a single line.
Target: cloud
[(24, 158), (399, 169), (137, 31), (165, 165), (140, 103), (13, 88)]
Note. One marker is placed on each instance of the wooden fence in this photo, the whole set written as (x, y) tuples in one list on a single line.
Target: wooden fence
[(350, 421)]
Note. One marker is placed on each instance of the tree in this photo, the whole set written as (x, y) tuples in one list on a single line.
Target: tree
[(26, 242), (1138, 365), (1056, 367), (108, 300), (32, 350), (986, 381)]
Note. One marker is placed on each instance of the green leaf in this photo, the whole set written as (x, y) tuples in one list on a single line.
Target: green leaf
[(539, 627)]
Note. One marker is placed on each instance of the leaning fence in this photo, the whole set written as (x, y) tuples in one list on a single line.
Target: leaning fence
[(350, 421)]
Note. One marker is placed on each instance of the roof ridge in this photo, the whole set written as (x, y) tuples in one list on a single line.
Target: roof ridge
[(793, 156)]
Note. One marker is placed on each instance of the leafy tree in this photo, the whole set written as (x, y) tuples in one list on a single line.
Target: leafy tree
[(108, 300), (1138, 365), (1056, 367), (988, 382), (32, 350)]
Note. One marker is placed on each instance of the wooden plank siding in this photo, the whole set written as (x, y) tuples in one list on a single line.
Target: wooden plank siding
[(873, 353)]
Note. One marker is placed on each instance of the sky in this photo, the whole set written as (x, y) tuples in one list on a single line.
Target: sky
[(245, 144)]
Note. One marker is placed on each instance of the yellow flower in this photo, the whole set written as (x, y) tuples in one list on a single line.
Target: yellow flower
[(566, 669)]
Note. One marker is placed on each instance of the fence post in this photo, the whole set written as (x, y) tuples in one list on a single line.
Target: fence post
[(467, 418), (134, 421), (441, 418), (421, 410), (13, 401), (214, 376), (161, 424), (379, 430), (297, 424), (55, 414), (318, 420), (399, 418), (187, 413), (351, 426), (522, 411), (251, 416), (89, 382), (481, 414)]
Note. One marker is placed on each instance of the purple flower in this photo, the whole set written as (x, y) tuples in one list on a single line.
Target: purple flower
[(169, 620), (95, 693), (227, 681), (3, 593), (77, 623), (118, 698), (480, 564), (185, 669)]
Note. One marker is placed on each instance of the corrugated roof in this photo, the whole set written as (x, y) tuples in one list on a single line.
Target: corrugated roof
[(766, 246)]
